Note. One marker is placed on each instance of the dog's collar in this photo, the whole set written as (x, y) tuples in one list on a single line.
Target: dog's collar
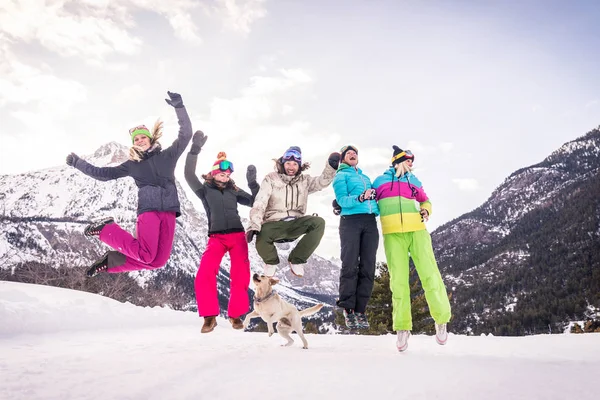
[(267, 297)]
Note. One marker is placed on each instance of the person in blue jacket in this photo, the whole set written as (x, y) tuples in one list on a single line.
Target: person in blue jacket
[(359, 237)]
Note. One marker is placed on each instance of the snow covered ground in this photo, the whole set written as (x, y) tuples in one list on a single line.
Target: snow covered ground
[(64, 344)]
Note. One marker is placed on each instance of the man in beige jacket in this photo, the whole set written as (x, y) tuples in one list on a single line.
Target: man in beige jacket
[(278, 212)]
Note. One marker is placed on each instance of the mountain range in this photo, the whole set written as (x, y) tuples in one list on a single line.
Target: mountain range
[(44, 212), (526, 261)]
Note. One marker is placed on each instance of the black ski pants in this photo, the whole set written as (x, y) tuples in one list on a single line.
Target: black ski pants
[(359, 239)]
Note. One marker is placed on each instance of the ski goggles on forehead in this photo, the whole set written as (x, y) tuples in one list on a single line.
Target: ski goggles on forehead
[(293, 155), (138, 128), (349, 147), (223, 166)]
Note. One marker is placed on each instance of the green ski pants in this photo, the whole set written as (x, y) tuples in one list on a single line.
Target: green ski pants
[(417, 245), (311, 227)]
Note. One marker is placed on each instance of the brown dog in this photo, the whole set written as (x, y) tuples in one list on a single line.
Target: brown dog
[(272, 308)]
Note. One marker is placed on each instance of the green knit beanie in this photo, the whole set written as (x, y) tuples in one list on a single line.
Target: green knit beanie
[(139, 130)]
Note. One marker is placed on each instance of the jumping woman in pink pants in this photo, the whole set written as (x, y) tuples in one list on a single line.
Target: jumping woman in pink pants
[(158, 204), (220, 197)]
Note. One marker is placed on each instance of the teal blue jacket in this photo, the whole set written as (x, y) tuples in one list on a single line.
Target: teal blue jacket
[(348, 184)]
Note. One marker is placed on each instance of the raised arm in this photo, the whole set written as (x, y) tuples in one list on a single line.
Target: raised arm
[(260, 205), (316, 183), (190, 163), (243, 197), (99, 173), (185, 125)]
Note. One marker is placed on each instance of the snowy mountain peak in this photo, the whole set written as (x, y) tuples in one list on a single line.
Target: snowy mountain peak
[(47, 209), (110, 153)]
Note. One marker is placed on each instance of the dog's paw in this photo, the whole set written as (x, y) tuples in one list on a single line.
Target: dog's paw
[(305, 347), (271, 334)]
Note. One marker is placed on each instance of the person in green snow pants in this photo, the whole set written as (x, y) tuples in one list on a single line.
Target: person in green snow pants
[(403, 207)]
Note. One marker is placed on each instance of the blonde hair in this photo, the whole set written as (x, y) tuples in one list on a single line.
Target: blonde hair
[(136, 153), (402, 168)]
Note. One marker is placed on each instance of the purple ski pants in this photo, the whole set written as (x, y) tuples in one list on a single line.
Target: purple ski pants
[(152, 247)]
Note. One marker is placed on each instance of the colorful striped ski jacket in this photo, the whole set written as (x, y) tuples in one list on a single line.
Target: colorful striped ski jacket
[(400, 201)]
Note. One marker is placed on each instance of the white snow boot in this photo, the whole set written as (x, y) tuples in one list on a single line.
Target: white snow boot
[(269, 270), (441, 334), (402, 342), (297, 269)]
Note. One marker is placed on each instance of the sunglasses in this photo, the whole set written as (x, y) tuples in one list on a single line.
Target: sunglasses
[(292, 155), (139, 127), (223, 166)]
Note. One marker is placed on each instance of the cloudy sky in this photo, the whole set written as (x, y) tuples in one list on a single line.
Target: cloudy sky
[(475, 89)]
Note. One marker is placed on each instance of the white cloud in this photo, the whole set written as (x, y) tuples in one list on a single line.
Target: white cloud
[(129, 94), (466, 184), (239, 15), (446, 147), (286, 109), (22, 84), (90, 29)]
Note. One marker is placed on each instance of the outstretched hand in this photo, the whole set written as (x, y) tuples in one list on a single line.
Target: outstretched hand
[(251, 174), (198, 141), (174, 100), (72, 159)]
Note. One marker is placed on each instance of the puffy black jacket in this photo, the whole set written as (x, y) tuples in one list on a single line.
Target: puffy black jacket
[(154, 175), (220, 203)]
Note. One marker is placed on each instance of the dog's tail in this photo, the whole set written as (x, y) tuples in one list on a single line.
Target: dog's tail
[(310, 311)]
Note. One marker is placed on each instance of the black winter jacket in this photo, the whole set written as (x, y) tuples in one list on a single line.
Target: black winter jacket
[(154, 175), (220, 204)]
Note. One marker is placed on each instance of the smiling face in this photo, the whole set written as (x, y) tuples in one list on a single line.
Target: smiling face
[(222, 177), (142, 141), (350, 158), (291, 168)]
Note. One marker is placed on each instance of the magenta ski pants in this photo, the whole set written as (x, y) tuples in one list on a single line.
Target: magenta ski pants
[(150, 249), (206, 279)]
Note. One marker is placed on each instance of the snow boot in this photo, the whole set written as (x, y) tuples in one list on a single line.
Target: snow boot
[(236, 323), (96, 227), (441, 334), (297, 269), (351, 319), (362, 321), (402, 342), (99, 266), (269, 270), (209, 324)]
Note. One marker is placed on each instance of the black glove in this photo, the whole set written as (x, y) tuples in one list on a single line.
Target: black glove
[(250, 235), (251, 174), (198, 141), (72, 159), (175, 100), (337, 210), (334, 160)]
